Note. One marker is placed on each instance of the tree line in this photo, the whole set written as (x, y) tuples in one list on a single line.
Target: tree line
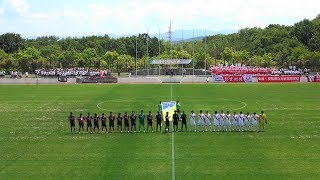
[(273, 46)]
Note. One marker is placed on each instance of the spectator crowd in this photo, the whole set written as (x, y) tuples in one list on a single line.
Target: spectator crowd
[(241, 70), (70, 72)]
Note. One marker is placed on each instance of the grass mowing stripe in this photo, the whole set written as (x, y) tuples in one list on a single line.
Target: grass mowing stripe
[(171, 92), (172, 152), (173, 164)]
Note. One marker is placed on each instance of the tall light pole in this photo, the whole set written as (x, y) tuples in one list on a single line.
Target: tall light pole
[(182, 57), (193, 52), (147, 52), (170, 41), (205, 52), (136, 55), (159, 50)]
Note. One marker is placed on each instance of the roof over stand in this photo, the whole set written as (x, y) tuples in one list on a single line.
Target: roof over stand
[(170, 61)]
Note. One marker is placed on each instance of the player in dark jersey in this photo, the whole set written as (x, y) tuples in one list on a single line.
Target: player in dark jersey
[(149, 121), (103, 122), (111, 122), (96, 122), (81, 122), (175, 121), (159, 120), (119, 122), (167, 117), (126, 121), (72, 120), (179, 116), (141, 121), (183, 120), (89, 123), (133, 119)]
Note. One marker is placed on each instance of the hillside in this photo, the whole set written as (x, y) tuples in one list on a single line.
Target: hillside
[(275, 45)]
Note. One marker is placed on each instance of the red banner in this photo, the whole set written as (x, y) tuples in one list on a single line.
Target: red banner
[(279, 78)]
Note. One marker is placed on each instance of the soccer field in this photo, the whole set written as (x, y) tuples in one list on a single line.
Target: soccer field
[(35, 142)]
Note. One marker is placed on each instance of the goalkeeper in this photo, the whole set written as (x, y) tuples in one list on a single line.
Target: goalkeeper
[(262, 121)]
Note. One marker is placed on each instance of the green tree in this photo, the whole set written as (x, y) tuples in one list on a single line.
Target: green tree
[(29, 59), (50, 52), (200, 58), (267, 61), (3, 55), (303, 31), (5, 62), (298, 55), (90, 56), (312, 60), (111, 58), (227, 55), (125, 63), (10, 42)]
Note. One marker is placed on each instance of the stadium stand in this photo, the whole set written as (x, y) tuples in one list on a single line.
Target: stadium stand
[(255, 71), (71, 72)]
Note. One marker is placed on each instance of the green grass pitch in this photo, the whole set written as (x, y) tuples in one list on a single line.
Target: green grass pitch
[(35, 142)]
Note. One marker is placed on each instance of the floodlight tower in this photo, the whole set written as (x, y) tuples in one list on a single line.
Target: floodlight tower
[(170, 41)]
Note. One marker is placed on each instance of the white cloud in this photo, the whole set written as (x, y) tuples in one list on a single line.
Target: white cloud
[(130, 17), (99, 10), (38, 17), (20, 6), (1, 10)]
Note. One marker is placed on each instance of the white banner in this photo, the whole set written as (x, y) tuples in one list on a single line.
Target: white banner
[(218, 78), (247, 77)]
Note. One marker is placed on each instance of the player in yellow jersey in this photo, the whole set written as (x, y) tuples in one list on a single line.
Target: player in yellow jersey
[(262, 121)]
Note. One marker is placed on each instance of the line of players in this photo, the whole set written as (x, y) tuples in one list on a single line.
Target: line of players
[(228, 122), (220, 121)]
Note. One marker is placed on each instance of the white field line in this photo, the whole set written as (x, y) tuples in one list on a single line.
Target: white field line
[(172, 157), (171, 95), (98, 105), (243, 104)]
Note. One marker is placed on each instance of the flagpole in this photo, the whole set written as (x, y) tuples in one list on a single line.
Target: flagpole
[(147, 52), (182, 57), (159, 50), (170, 39), (136, 55), (193, 52), (205, 52)]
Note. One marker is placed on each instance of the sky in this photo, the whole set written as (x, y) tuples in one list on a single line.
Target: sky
[(122, 17)]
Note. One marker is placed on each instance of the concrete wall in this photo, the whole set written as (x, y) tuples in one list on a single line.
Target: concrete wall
[(169, 79), (151, 80), (304, 79), (34, 81), (164, 79), (196, 80), (125, 80)]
